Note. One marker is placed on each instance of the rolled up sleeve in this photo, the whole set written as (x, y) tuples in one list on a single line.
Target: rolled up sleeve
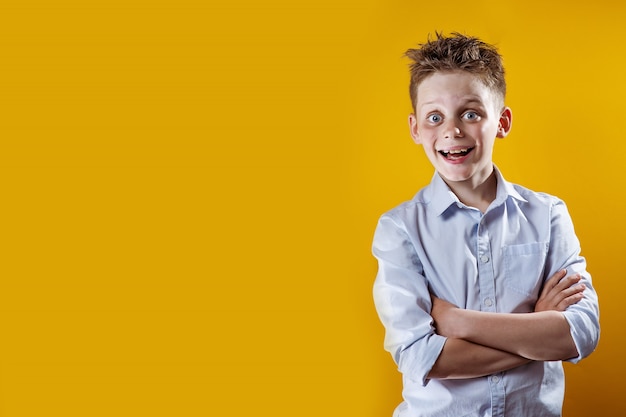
[(403, 303), (584, 316)]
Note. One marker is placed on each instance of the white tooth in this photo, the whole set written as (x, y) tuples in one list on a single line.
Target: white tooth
[(458, 150)]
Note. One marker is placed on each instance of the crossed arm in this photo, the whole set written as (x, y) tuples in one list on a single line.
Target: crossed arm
[(481, 343)]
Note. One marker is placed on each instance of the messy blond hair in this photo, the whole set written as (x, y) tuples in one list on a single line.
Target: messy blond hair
[(453, 53)]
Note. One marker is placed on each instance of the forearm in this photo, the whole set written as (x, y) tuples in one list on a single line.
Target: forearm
[(461, 359), (541, 335)]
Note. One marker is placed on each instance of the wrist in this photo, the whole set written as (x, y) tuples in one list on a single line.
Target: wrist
[(462, 323)]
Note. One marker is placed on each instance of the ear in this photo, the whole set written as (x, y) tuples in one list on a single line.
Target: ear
[(505, 123), (413, 128)]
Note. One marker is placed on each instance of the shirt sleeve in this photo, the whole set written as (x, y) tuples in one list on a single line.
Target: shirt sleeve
[(403, 301), (564, 253)]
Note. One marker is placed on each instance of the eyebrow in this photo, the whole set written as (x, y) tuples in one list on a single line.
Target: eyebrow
[(468, 100)]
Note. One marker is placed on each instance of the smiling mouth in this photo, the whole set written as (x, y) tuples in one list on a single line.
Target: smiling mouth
[(456, 153)]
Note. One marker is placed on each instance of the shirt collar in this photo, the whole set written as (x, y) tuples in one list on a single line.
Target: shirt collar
[(441, 197)]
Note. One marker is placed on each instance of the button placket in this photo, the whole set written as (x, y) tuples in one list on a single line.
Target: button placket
[(486, 276)]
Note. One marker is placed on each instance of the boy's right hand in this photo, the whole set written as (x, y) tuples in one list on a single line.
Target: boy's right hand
[(560, 292)]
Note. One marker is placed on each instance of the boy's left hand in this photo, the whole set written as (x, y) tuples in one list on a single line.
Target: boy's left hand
[(560, 292)]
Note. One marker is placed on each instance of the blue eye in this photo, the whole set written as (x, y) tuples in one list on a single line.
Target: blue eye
[(434, 118), (471, 115)]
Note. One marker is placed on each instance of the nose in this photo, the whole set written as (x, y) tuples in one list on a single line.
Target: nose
[(452, 131)]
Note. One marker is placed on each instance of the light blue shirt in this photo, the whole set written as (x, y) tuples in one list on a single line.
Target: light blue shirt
[(497, 262)]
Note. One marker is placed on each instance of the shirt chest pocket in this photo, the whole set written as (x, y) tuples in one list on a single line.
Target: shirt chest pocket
[(524, 267)]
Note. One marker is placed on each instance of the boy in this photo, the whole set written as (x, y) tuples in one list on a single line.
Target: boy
[(481, 286)]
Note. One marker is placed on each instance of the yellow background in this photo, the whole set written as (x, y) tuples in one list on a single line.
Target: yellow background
[(189, 191)]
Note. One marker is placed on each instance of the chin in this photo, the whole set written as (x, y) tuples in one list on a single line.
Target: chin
[(455, 174), (455, 178)]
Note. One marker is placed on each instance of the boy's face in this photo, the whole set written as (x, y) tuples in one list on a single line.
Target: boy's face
[(457, 118)]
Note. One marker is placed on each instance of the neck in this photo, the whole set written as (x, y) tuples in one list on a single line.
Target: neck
[(479, 195)]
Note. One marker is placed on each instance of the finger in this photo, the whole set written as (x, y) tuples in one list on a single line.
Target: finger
[(570, 296), (550, 289), (574, 289), (568, 301), (564, 289), (554, 279), (567, 282), (557, 297)]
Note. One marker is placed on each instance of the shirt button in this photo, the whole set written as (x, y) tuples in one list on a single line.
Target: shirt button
[(495, 379), (488, 302), (484, 259)]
